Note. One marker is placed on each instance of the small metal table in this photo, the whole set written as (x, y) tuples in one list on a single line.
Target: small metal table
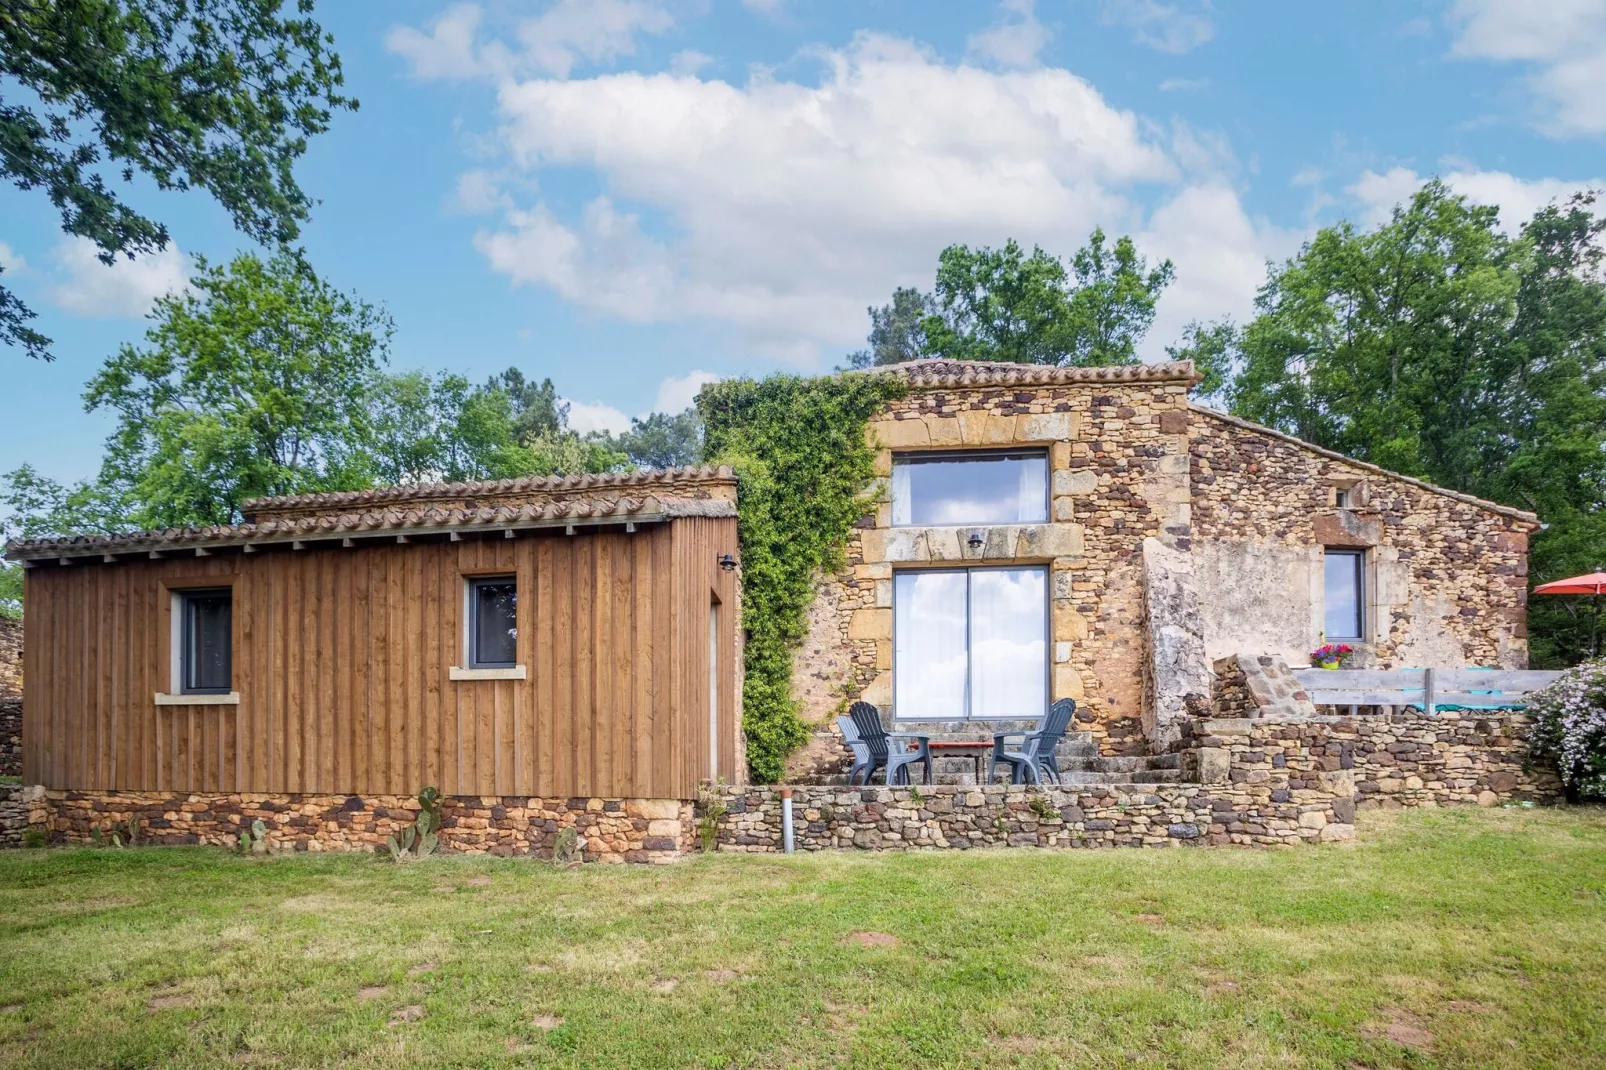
[(963, 748)]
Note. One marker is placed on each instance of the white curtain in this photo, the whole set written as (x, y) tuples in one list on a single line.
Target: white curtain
[(928, 656), (1031, 505), (902, 507), (1008, 643)]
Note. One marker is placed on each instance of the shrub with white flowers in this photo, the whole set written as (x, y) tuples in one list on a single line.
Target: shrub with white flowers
[(1570, 727)]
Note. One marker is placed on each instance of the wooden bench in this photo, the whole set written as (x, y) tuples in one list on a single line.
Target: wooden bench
[(1426, 688)]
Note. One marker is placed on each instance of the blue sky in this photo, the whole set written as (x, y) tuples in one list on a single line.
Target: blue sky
[(632, 196)]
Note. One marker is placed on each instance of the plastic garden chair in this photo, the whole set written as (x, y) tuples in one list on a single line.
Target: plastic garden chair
[(889, 750), (1035, 758), (861, 752)]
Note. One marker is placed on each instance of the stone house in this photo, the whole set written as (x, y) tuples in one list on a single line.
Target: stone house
[(556, 653), (1094, 534)]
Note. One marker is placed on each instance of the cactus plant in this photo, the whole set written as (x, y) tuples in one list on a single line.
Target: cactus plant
[(420, 838)]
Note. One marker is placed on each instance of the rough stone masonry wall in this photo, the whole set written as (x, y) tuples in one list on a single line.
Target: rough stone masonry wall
[(10, 658), (10, 697), (1401, 758), (614, 830), (14, 813), (1257, 814), (1118, 472), (1448, 577)]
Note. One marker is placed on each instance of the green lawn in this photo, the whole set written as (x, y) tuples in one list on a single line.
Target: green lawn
[(1459, 937)]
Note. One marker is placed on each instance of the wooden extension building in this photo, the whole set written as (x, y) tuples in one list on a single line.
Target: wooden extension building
[(546, 638)]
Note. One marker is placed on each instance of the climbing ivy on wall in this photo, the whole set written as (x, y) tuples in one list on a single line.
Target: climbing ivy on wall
[(802, 464)]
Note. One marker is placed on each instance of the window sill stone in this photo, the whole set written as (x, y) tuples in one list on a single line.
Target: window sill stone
[(230, 699), (516, 672)]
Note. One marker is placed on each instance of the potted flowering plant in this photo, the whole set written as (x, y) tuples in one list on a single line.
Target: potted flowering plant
[(1331, 655)]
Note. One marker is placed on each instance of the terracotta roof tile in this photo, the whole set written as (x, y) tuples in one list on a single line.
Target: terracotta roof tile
[(936, 373), (402, 510)]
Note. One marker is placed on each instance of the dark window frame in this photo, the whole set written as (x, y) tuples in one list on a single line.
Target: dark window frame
[(995, 454), (187, 637), (475, 584), (968, 571), (1360, 594)]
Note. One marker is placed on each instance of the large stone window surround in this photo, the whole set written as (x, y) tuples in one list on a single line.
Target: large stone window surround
[(1058, 545)]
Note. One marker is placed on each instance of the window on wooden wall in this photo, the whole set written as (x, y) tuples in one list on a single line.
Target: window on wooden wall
[(205, 641), (1344, 593), (493, 629), (991, 487)]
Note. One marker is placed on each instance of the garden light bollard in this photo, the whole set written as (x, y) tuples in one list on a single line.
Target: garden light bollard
[(786, 820)]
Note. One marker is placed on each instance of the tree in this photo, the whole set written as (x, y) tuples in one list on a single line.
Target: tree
[(220, 95), (897, 330), (1000, 304), (535, 406), (255, 381), (1437, 346), (1211, 347), (661, 440)]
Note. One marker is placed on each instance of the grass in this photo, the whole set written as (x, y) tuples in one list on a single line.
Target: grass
[(1461, 937)]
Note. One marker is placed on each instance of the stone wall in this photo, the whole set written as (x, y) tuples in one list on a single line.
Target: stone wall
[(613, 830), (10, 737), (1245, 685), (943, 817), (1118, 473), (15, 810), (10, 658), (1447, 574), (1398, 758)]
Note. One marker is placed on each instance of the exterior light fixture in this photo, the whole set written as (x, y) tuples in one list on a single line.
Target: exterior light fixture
[(976, 539), (727, 562)]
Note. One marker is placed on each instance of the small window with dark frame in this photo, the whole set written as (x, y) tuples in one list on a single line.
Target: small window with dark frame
[(493, 623), (206, 637), (1344, 591), (1341, 497)]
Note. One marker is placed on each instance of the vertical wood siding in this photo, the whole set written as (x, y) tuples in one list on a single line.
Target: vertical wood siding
[(341, 660)]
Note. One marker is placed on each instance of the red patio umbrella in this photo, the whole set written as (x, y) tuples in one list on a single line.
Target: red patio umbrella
[(1591, 584)]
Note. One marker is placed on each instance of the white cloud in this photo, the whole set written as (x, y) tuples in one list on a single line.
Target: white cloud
[(768, 8), (676, 394), (1184, 85), (1563, 41), (1518, 198), (125, 287), (1220, 253), (447, 50), (596, 416), (554, 42), (1166, 27), (1015, 40), (783, 208), (479, 193), (689, 61), (11, 260)]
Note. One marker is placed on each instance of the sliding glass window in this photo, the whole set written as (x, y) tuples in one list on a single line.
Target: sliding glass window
[(970, 644)]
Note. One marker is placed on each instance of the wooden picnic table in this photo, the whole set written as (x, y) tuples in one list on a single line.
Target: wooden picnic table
[(963, 748)]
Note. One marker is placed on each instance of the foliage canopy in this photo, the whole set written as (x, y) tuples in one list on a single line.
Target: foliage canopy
[(219, 95)]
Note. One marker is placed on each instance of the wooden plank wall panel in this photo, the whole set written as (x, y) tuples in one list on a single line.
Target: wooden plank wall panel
[(341, 659)]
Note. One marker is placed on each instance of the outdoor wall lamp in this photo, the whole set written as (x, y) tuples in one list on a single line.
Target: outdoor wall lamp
[(727, 562), (976, 539)]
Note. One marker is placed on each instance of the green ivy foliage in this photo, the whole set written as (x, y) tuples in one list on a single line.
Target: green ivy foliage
[(803, 466)]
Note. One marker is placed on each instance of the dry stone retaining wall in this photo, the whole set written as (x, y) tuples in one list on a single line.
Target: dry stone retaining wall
[(10, 658), (613, 830), (1400, 758), (946, 817)]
